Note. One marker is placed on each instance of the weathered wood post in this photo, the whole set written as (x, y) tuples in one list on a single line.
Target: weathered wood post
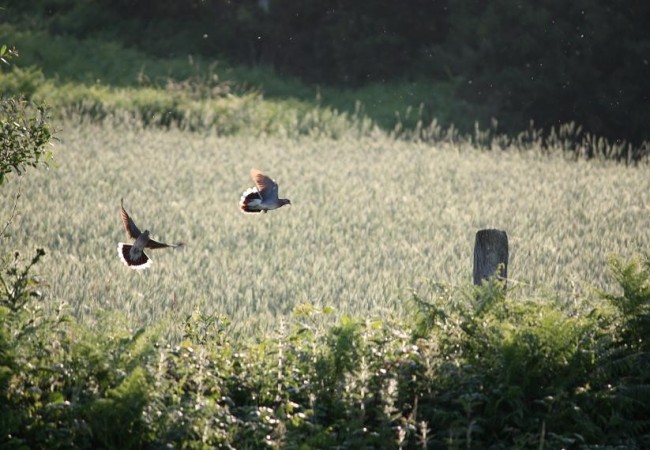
[(490, 255)]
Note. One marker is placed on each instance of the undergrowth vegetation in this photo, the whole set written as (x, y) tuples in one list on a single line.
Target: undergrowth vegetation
[(467, 369)]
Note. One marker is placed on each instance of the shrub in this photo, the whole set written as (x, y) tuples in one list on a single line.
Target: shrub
[(478, 370), (619, 389)]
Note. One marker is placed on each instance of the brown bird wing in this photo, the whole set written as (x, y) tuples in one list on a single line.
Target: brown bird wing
[(265, 185), (129, 226)]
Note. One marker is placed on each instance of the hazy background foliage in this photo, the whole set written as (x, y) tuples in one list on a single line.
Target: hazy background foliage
[(549, 61)]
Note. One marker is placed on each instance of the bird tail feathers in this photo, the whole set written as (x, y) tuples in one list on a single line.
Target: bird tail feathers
[(250, 201), (139, 263)]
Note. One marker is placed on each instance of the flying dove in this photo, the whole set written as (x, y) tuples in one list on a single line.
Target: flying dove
[(133, 255), (263, 196)]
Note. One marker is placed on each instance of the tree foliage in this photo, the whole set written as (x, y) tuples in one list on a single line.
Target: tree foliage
[(550, 61), (554, 62)]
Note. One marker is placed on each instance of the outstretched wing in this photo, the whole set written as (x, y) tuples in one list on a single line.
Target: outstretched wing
[(155, 244), (131, 229), (267, 188)]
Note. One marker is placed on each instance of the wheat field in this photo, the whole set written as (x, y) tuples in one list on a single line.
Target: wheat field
[(371, 218)]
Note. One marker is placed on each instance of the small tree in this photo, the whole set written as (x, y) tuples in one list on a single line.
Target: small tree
[(24, 131)]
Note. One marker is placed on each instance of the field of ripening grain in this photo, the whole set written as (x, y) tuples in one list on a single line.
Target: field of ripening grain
[(370, 219)]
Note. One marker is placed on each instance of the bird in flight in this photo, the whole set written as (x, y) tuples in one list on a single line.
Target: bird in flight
[(263, 196), (133, 255)]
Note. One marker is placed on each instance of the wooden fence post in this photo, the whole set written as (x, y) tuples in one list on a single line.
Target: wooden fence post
[(490, 255)]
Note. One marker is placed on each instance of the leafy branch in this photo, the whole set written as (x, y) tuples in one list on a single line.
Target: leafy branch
[(7, 53), (24, 135)]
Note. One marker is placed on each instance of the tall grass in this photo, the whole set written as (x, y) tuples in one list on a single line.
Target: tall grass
[(371, 217)]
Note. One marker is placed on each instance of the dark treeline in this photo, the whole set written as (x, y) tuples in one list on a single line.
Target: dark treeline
[(549, 61)]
